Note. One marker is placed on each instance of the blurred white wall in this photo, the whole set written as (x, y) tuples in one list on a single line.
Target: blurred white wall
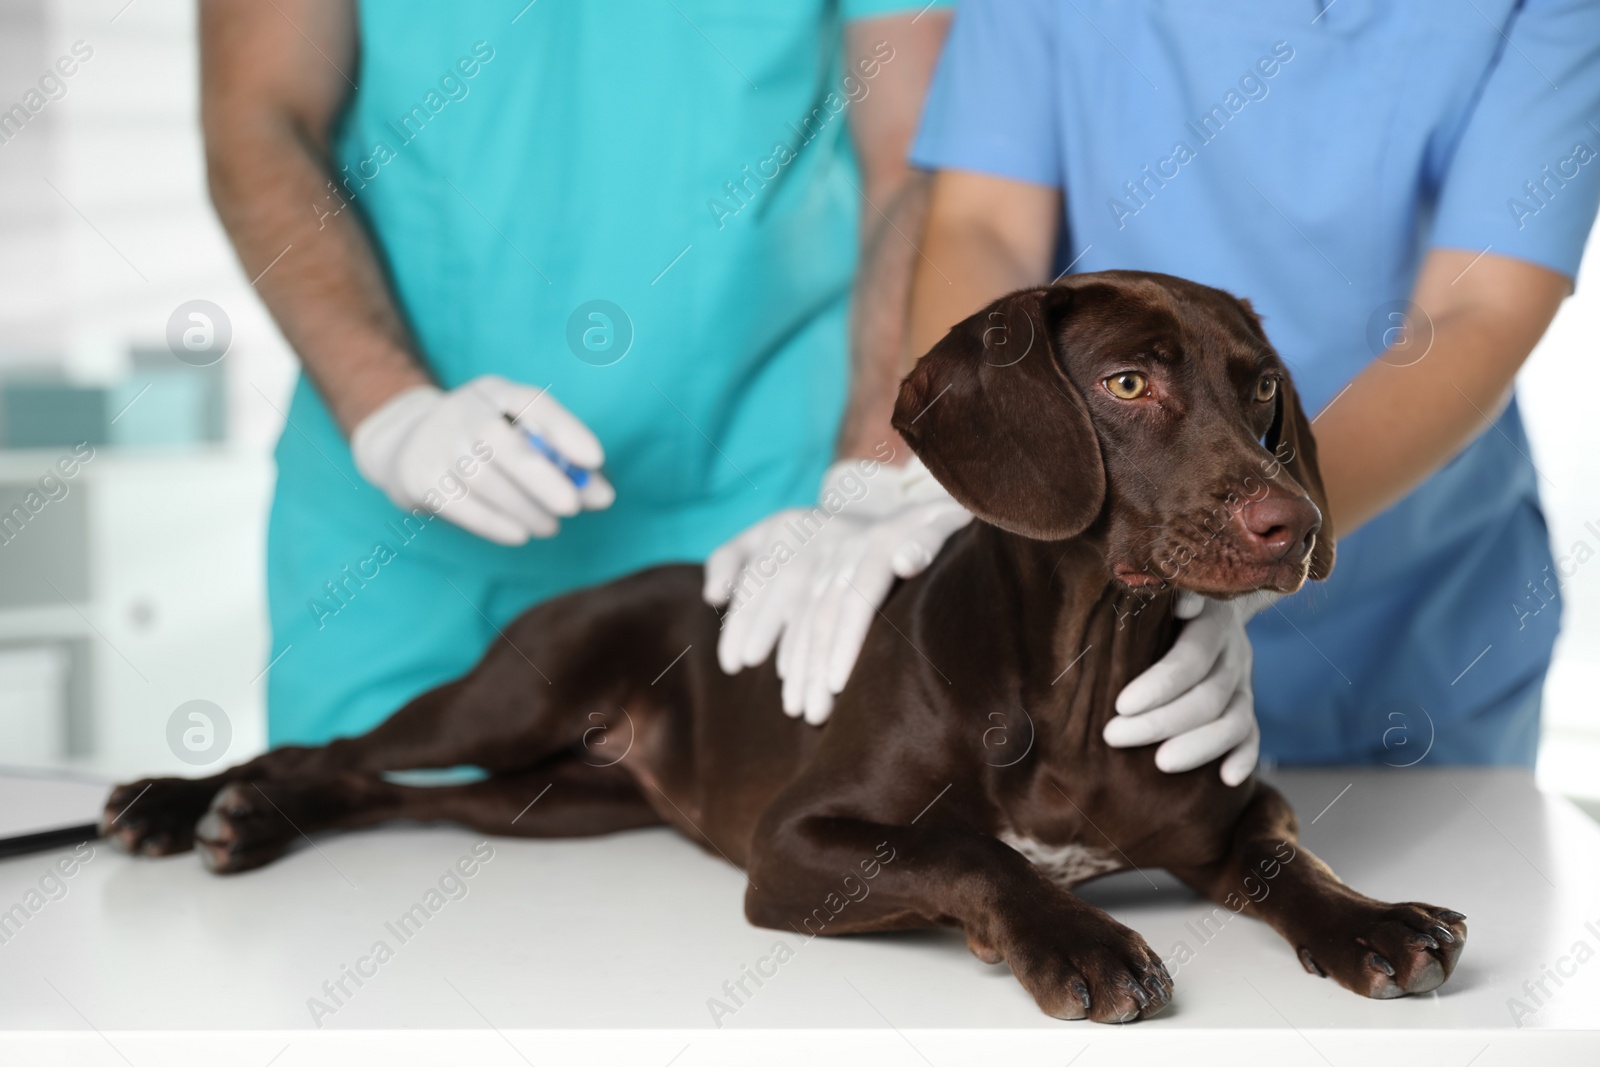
[(105, 229), (1559, 389), (103, 206)]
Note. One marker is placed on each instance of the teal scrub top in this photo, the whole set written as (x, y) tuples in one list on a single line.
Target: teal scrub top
[(650, 207)]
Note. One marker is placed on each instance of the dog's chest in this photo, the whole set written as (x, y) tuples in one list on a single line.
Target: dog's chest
[(1066, 865)]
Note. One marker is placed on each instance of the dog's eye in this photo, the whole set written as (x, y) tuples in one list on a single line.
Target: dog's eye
[(1129, 385), (1266, 388)]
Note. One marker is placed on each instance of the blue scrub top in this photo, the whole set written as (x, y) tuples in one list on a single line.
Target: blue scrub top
[(1307, 155)]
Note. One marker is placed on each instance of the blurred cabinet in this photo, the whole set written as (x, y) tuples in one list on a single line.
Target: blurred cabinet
[(34, 702), (130, 588)]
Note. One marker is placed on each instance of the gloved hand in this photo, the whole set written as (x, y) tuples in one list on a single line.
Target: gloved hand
[(825, 591), (1197, 698), (456, 454)]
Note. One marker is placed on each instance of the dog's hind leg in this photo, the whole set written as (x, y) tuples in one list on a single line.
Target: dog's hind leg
[(157, 816), (561, 675), (502, 717), (1378, 950), (252, 823), (444, 727)]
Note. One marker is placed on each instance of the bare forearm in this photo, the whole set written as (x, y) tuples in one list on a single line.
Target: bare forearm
[(985, 237), (974, 269), (878, 319), (325, 291), (1432, 394), (269, 100), (1396, 425), (890, 62)]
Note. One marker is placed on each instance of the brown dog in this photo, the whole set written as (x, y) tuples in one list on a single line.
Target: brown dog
[(1117, 435)]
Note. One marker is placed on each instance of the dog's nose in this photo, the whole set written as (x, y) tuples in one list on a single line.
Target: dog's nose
[(1279, 527)]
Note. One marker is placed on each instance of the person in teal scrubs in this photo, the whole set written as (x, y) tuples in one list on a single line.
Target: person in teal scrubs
[(630, 227)]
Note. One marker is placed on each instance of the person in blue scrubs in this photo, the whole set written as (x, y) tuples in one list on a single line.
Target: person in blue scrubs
[(1403, 191), (631, 228)]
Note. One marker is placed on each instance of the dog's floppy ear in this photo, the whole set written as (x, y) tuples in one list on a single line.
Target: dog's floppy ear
[(991, 412), (1291, 443)]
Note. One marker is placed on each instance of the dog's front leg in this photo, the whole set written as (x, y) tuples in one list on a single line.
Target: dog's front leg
[(1376, 949), (826, 874)]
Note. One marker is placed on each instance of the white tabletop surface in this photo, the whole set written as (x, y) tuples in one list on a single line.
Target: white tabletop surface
[(608, 950), (32, 802)]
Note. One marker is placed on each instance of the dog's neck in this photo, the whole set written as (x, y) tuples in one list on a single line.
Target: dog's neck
[(1081, 630)]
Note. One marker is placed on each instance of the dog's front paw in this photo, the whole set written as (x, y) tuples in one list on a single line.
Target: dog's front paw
[(1085, 965), (155, 816), (1386, 950)]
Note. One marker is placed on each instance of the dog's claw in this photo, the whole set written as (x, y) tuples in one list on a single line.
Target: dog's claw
[(1442, 934), (1160, 981), (1382, 964), (1423, 941), (1081, 988), (1452, 916), (1310, 964)]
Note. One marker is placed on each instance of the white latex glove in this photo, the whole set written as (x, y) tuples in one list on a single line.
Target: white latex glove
[(819, 603), (1197, 698), (455, 454)]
